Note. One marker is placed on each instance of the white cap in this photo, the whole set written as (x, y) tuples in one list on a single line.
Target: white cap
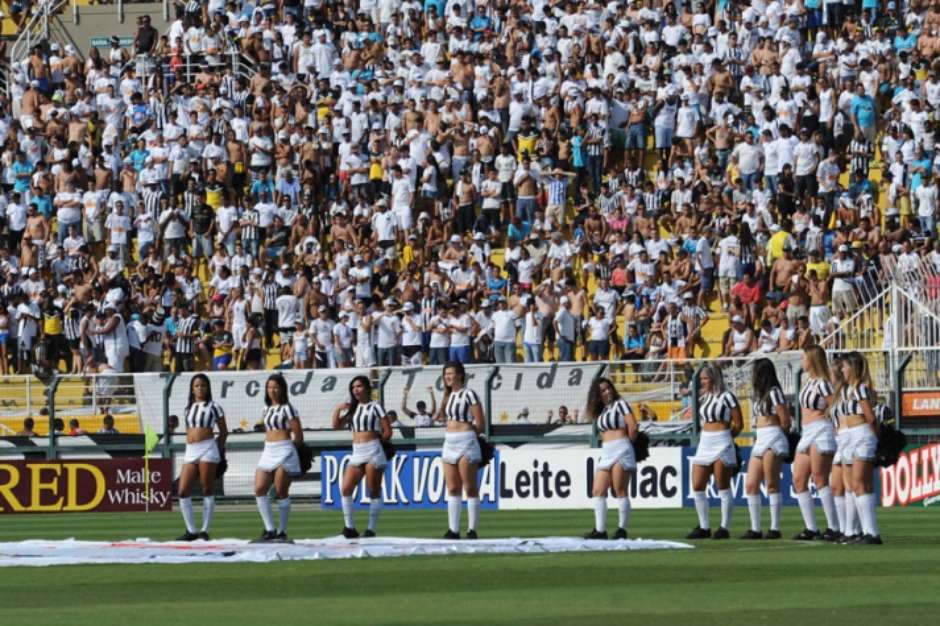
[(843, 248), (409, 306), (455, 238), (565, 300), (737, 319)]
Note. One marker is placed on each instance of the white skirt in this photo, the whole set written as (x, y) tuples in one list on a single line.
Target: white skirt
[(280, 454), (205, 451), (819, 433), (462, 444), (617, 451), (860, 444), (368, 452), (715, 446), (770, 438)]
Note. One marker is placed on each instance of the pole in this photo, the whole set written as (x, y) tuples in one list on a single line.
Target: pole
[(166, 10), (899, 389), (120, 8), (50, 404), (167, 389), (146, 479), (488, 397), (383, 378)]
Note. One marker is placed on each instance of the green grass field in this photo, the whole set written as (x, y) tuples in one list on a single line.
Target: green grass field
[(726, 582)]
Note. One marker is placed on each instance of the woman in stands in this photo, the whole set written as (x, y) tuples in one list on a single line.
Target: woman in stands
[(202, 456), (816, 448), (770, 418), (618, 429), (279, 462), (462, 411), (720, 415), (370, 426), (857, 399)]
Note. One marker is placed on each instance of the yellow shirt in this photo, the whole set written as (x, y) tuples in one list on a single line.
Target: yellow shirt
[(375, 170), (51, 324), (214, 197), (776, 243), (526, 143), (822, 269)]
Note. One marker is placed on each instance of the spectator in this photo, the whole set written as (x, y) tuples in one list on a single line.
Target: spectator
[(27, 431), (107, 425)]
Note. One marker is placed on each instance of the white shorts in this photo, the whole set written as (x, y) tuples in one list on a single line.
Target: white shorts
[(860, 444), (770, 438), (841, 442), (715, 446), (403, 213), (368, 452), (819, 433), (463, 444), (205, 451), (280, 454), (238, 336), (617, 451), (365, 356)]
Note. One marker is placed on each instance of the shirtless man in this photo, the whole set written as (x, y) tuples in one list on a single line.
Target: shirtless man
[(783, 269)]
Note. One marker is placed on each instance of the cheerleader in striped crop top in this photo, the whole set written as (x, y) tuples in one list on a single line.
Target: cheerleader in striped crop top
[(720, 415), (279, 461), (859, 432), (771, 422), (817, 446), (618, 429), (370, 426), (202, 455), (462, 411)]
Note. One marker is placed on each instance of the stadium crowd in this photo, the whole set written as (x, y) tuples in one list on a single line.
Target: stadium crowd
[(385, 182)]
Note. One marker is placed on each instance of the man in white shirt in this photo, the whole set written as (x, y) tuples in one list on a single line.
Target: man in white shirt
[(288, 314), (384, 225), (505, 324), (565, 331), (388, 335), (321, 331), (461, 327), (926, 196)]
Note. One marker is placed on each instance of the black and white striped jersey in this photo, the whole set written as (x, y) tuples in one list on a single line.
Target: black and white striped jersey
[(814, 393), (851, 397), (767, 406), (204, 414), (883, 413), (278, 416), (367, 418), (716, 408), (186, 330), (270, 295), (614, 416), (72, 327), (457, 408)]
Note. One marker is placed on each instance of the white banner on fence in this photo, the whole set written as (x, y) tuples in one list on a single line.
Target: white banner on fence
[(313, 393), (540, 389), (532, 478)]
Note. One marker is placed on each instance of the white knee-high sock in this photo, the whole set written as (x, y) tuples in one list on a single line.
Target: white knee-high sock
[(829, 507), (473, 513), (208, 509), (701, 507), (727, 506), (775, 507), (807, 510), (283, 509), (264, 507), (623, 510), (753, 509), (840, 512), (851, 514), (189, 518), (375, 508), (349, 520), (453, 513), (867, 504), (600, 513)]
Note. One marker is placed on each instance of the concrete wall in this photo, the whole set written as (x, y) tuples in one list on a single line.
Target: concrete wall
[(101, 20)]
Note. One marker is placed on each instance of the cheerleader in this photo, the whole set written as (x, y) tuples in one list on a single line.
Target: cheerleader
[(461, 455), (814, 453), (771, 420), (848, 521), (860, 441), (370, 426), (279, 462), (721, 419), (202, 455), (618, 429)]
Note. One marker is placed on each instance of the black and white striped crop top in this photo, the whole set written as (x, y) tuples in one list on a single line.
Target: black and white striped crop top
[(614, 416), (716, 408), (367, 418), (278, 416), (459, 403), (814, 393), (204, 414), (883, 413), (767, 406), (850, 399)]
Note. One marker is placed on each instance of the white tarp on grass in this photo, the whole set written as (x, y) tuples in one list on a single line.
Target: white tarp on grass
[(71, 552)]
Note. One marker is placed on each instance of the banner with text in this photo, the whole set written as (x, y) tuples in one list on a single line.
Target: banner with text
[(914, 478), (413, 480), (532, 478), (84, 485)]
